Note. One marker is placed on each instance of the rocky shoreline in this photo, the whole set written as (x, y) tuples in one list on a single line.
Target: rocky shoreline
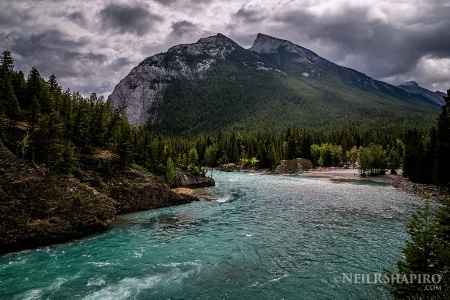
[(39, 210), (398, 181), (348, 174)]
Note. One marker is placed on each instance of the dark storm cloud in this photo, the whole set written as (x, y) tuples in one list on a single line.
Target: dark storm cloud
[(12, 16), (128, 19), (52, 41), (165, 2), (432, 38), (77, 17), (183, 27), (249, 15), (371, 45), (52, 52), (121, 62), (394, 40), (183, 4)]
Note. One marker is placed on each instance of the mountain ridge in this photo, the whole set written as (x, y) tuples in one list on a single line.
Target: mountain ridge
[(413, 87), (216, 78)]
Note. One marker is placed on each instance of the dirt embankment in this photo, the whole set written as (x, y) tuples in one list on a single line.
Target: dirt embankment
[(38, 210)]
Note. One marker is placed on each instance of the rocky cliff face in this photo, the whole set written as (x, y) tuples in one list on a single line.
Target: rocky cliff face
[(37, 210), (266, 44), (141, 90)]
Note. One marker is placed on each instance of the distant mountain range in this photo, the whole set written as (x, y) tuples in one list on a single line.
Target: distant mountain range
[(413, 87), (216, 84)]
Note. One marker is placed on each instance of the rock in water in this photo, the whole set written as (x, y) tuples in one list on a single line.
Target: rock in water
[(191, 181), (293, 166)]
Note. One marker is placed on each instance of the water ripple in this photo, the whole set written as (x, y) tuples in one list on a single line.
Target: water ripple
[(266, 237)]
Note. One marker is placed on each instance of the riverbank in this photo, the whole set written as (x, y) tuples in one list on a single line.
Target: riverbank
[(353, 174), (39, 209), (201, 194), (398, 181)]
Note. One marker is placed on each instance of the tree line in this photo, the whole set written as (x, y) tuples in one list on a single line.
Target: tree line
[(44, 124)]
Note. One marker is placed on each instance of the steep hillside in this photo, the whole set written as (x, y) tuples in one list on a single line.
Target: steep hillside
[(38, 210), (215, 84)]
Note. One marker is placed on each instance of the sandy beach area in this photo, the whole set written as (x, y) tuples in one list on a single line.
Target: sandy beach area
[(199, 193)]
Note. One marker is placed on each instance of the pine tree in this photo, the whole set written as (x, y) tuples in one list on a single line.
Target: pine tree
[(171, 177), (412, 154), (20, 87), (47, 142), (442, 158), (81, 121), (9, 102), (124, 146), (33, 88), (7, 61), (211, 156), (35, 112), (425, 253), (65, 164), (193, 157), (52, 83)]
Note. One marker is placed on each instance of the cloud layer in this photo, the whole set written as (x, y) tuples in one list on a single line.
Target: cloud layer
[(91, 45)]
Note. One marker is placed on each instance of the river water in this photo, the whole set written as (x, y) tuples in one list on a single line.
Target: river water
[(266, 237)]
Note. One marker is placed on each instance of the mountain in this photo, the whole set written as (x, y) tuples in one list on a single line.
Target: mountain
[(144, 86), (216, 84), (413, 87)]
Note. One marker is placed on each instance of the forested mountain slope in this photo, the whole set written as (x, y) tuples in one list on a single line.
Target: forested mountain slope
[(215, 84)]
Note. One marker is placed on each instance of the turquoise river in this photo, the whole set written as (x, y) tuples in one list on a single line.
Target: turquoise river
[(266, 237)]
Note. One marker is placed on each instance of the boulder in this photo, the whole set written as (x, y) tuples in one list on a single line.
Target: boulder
[(231, 167), (189, 180), (293, 166)]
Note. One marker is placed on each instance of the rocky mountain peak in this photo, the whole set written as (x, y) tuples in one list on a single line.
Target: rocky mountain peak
[(152, 87), (145, 84), (413, 87), (216, 46), (266, 44), (410, 83)]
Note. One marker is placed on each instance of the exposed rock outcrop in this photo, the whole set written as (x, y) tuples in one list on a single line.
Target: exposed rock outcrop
[(293, 166), (144, 85), (230, 167), (191, 181)]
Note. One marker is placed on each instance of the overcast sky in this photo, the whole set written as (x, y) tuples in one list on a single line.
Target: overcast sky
[(91, 45)]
